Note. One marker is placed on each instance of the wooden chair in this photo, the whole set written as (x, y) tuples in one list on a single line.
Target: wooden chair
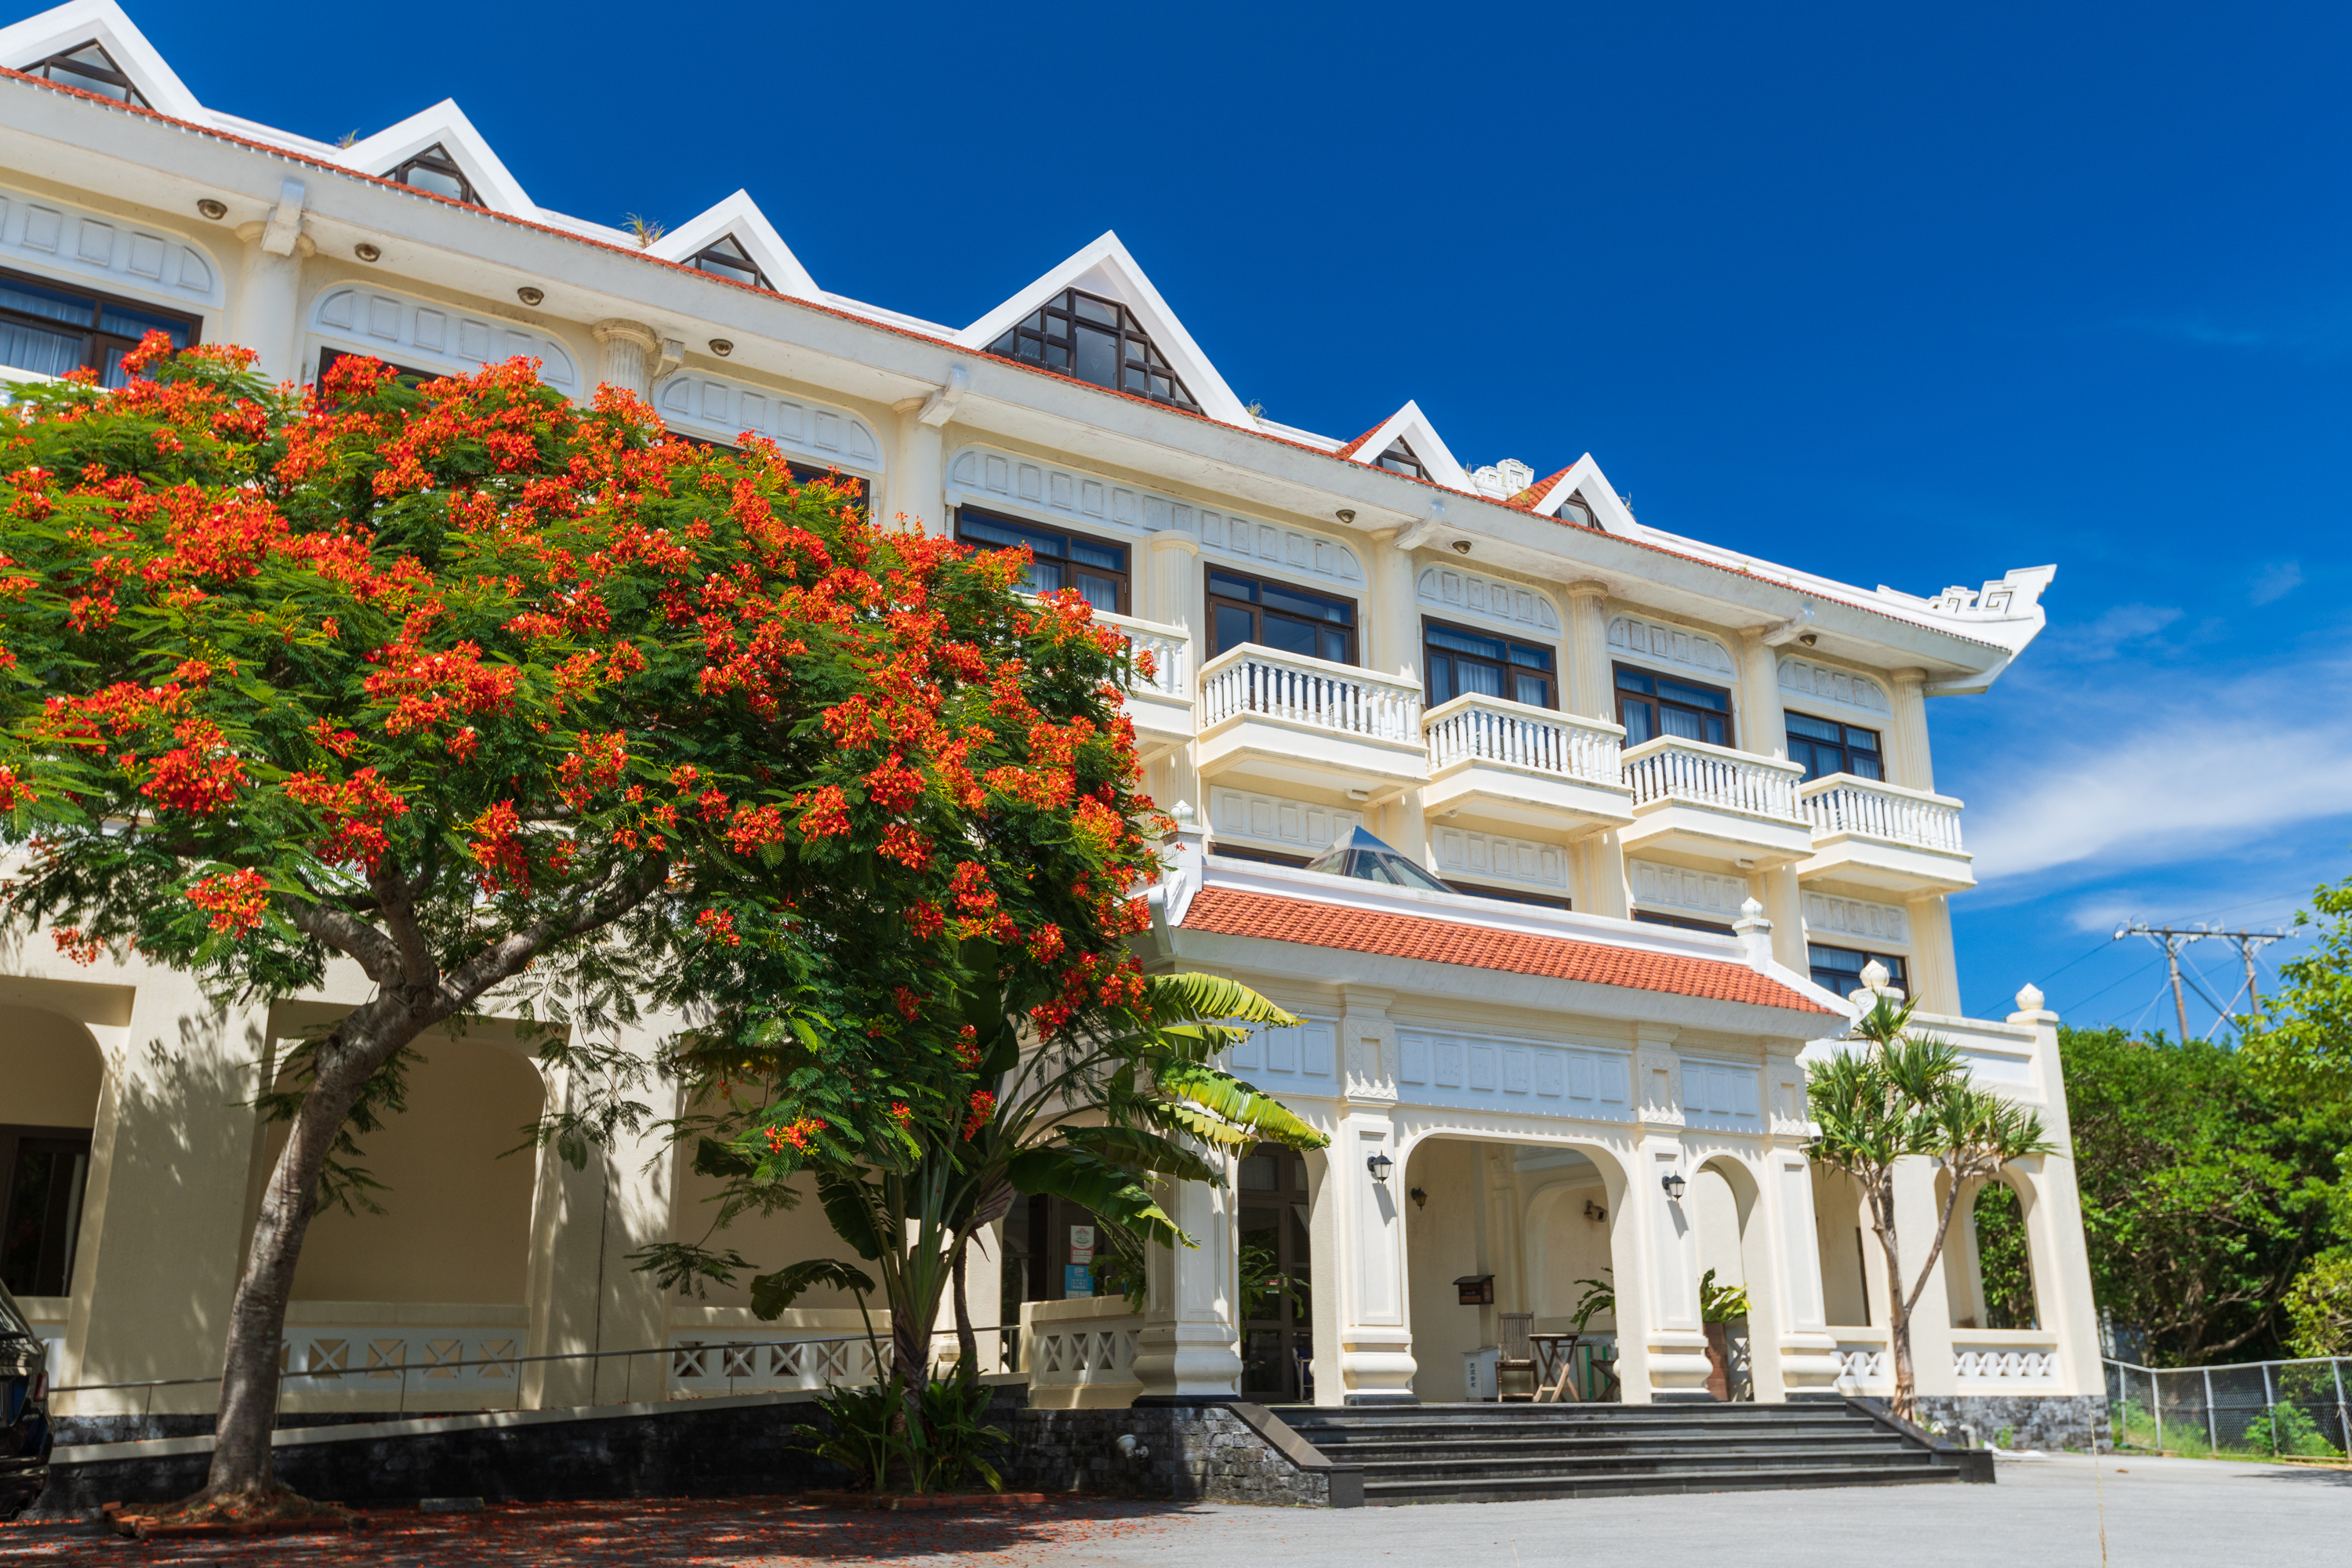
[(1516, 1355)]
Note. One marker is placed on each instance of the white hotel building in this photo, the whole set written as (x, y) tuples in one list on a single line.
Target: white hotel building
[(1593, 743)]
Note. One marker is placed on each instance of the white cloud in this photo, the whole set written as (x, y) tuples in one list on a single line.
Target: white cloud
[(2275, 581), (2114, 631)]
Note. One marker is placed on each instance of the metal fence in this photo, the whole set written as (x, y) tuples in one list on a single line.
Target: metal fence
[(2262, 1409)]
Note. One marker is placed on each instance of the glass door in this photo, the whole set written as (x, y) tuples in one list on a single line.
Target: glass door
[(1277, 1338)]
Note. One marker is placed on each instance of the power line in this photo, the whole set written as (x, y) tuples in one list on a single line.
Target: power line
[(2172, 941)]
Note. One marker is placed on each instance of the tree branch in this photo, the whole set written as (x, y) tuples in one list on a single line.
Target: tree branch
[(353, 937)]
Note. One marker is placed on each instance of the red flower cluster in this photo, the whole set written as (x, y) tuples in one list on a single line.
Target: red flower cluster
[(236, 900)]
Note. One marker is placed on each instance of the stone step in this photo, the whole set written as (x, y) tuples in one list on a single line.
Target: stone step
[(1762, 1479), (1435, 1467), (1535, 1448)]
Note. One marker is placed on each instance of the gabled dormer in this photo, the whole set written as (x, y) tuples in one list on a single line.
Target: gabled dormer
[(1579, 494), (1406, 443), (1097, 318), (92, 45), (735, 241), (438, 150)]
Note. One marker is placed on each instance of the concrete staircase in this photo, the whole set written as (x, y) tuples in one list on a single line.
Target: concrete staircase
[(1501, 1453)]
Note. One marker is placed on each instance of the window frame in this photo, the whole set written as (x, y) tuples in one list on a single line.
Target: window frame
[(1845, 748), (1729, 715), (439, 153), (727, 266), (1211, 599), (96, 341), (1680, 922), (1898, 966), (1550, 671), (111, 73), (1124, 576), (1399, 457), (1036, 326)]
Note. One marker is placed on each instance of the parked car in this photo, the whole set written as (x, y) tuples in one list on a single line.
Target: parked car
[(25, 1435)]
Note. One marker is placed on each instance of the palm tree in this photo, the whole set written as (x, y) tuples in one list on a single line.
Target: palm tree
[(1898, 1097)]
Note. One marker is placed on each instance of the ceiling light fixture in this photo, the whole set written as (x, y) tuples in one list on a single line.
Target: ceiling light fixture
[(367, 252), (1461, 547), (213, 209), (528, 294), (721, 347), (1346, 514)]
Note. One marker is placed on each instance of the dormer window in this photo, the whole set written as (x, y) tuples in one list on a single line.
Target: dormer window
[(1398, 459), (91, 69), (726, 257), (1096, 339), (433, 170)]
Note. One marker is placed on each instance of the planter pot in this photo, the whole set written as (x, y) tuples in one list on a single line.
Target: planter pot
[(1718, 1359)]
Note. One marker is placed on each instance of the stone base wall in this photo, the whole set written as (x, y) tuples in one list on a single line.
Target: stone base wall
[(2047, 1421), (1197, 1452)]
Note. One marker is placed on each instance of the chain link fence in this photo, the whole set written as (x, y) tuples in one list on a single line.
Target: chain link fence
[(2258, 1409)]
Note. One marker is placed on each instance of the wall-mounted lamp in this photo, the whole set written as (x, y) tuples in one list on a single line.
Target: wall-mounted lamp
[(528, 294), (213, 209), (1594, 1212), (367, 252), (1674, 1183), (1461, 547), (722, 347), (1380, 1166), (1420, 1198)]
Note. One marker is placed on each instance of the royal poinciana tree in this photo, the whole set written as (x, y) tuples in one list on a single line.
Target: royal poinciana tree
[(523, 707)]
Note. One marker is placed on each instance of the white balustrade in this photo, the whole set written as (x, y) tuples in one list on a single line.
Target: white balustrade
[(1311, 692), (755, 1362), (1843, 804), (1168, 668), (1864, 1356), (2016, 1361), (392, 1361), (1081, 1344), (1692, 770), (1488, 729)]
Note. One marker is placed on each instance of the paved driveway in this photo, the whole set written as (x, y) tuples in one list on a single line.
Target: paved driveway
[(2158, 1513)]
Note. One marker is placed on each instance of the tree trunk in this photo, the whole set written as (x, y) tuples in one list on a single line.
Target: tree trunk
[(1898, 1307), (242, 1471), (967, 1342)]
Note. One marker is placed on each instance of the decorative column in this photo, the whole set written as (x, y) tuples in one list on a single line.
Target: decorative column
[(1390, 643), (1189, 1350), (1784, 905), (1763, 729), (2062, 1268), (1176, 589), (268, 313), (1809, 1364), (1915, 768), (631, 350), (1674, 1364), (918, 477), (1934, 974), (1374, 1328), (1591, 694)]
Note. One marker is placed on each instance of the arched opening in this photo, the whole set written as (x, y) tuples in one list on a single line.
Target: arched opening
[(455, 1220), (1848, 1256), (53, 1073), (1533, 1227), (1735, 1264), (1988, 1277)]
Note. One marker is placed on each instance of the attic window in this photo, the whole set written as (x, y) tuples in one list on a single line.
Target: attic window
[(433, 170), (1096, 339), (90, 67), (1398, 459), (726, 257)]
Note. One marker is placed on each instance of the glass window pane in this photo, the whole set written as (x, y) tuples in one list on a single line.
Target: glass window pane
[(1138, 382), (1233, 587), (1032, 349), (1102, 593), (50, 304), (1635, 680), (1680, 723), (139, 323), (1440, 681), (1641, 723), (1463, 642), (1862, 765), (1530, 657), (1009, 343), (1315, 604), (1093, 555), (1820, 729), (1480, 679), (1235, 627), (434, 180), (1037, 322), (1289, 636), (1044, 576), (1095, 310), (1162, 387), (29, 348), (1334, 647), (1860, 740), (1534, 690), (1098, 357), (1696, 696), (1058, 356), (1715, 734)]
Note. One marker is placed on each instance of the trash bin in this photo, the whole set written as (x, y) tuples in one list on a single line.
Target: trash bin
[(1478, 1373)]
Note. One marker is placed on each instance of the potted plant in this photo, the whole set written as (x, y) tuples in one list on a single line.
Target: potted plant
[(1719, 1307)]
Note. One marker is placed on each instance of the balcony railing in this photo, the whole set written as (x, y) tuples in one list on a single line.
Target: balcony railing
[(1168, 668), (1489, 729), (1843, 804), (1701, 775), (1309, 692)]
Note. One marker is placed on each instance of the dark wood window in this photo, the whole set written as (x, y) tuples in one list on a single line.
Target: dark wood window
[(53, 328), (1650, 705), (1509, 895), (1400, 459), (726, 257), (1279, 616), (1096, 339), (1682, 922), (90, 67), (43, 1172), (1823, 746), (1096, 568), (433, 170), (1233, 851), (1838, 969), (1462, 663)]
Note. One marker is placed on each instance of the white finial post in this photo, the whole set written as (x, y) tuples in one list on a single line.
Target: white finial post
[(1755, 935)]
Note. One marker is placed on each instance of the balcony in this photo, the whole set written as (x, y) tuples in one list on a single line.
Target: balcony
[(1507, 762), (1883, 836), (1159, 684), (1712, 801), (1287, 719)]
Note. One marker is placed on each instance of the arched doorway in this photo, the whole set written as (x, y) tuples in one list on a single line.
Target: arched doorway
[(1988, 1277), (53, 1073), (1733, 1247)]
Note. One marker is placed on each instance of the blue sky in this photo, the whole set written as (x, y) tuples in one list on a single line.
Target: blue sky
[(1908, 295)]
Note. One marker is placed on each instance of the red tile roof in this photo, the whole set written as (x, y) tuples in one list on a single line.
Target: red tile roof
[(1526, 499), (1356, 446), (1230, 911)]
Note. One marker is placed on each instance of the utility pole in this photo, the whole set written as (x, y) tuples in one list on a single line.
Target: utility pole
[(2172, 941)]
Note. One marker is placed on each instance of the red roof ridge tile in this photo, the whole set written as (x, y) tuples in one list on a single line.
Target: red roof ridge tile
[(1356, 446)]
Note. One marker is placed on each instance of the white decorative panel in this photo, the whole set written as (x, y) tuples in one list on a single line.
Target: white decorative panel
[(61, 238), (1464, 853), (1294, 824), (1661, 644), (1468, 596), (1718, 1094), (1696, 893), (412, 332), (1560, 1080), (1812, 682), (1856, 918), (719, 410), (1304, 1051), (981, 475)]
